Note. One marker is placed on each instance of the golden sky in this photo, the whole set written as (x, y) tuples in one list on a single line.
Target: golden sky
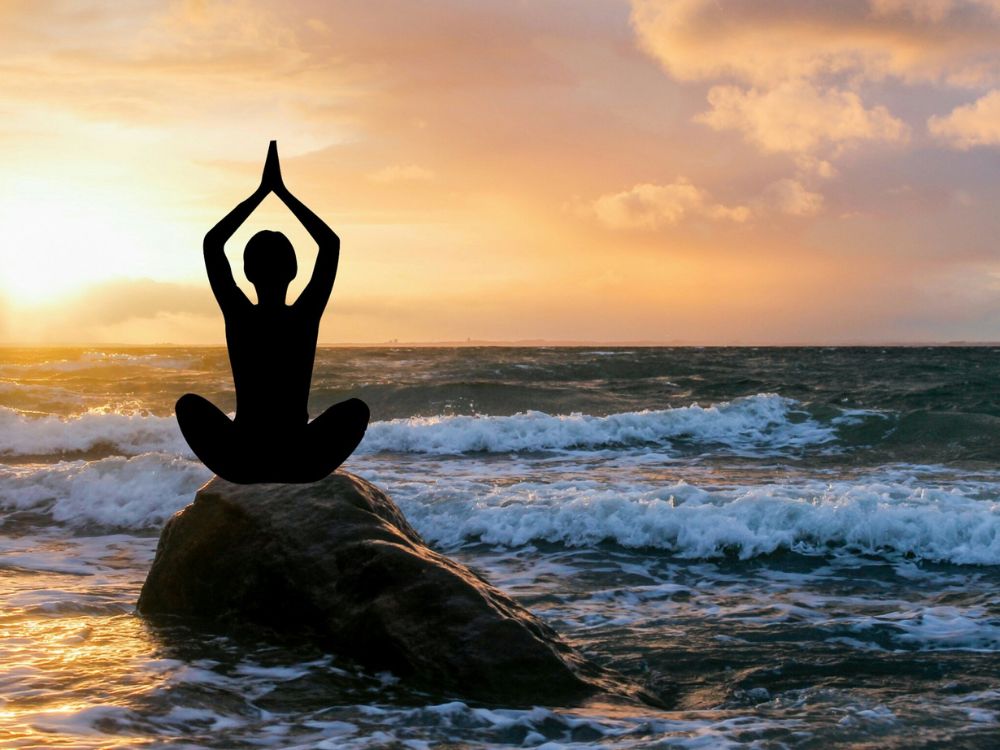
[(705, 171)]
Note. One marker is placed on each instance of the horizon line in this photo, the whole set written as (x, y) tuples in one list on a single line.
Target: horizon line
[(557, 343)]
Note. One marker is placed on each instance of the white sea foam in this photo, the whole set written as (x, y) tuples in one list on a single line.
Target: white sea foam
[(945, 628), (762, 422), (765, 421), (951, 524), (22, 435), (884, 515), (138, 492)]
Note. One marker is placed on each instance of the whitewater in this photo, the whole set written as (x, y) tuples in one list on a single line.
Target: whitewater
[(792, 546)]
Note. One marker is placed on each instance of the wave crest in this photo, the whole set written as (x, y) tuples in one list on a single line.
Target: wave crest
[(751, 424), (21, 435), (764, 421), (894, 517)]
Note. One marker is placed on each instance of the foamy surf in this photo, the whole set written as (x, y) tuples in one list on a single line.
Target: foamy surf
[(762, 422), (24, 435), (116, 492), (889, 514), (955, 524), (800, 544)]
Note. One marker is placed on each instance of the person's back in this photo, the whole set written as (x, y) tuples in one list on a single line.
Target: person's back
[(271, 351), (272, 347)]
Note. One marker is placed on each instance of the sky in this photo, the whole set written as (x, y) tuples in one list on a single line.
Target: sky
[(687, 171)]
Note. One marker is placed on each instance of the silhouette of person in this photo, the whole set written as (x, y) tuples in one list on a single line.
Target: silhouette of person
[(272, 347)]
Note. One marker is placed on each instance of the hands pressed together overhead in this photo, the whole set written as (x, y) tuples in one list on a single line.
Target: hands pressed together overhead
[(270, 180)]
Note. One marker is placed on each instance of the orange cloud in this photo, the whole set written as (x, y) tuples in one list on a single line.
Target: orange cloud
[(799, 77), (443, 140), (763, 43), (795, 116), (976, 124), (650, 206), (791, 197)]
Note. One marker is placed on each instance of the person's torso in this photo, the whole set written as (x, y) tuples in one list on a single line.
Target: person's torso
[(271, 352)]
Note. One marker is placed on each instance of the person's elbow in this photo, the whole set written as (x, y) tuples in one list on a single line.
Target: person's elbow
[(213, 244), (330, 249)]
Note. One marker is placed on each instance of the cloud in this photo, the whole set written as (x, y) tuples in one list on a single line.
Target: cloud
[(162, 328), (763, 43), (516, 107), (756, 42), (923, 10), (795, 116), (120, 310), (651, 206), (116, 301), (791, 197), (976, 124), (402, 173), (800, 77), (931, 10), (809, 164)]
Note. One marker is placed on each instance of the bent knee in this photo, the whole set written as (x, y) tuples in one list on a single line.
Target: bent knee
[(187, 404), (358, 406), (192, 409), (350, 413), (357, 411)]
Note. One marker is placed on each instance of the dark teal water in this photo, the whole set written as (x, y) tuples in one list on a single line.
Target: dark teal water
[(795, 547)]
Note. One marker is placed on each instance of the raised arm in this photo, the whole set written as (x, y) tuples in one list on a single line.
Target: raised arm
[(317, 291), (220, 275)]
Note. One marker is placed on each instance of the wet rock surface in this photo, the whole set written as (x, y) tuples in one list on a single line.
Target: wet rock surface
[(337, 561)]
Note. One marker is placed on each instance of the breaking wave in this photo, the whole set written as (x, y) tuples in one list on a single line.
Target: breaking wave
[(765, 421)]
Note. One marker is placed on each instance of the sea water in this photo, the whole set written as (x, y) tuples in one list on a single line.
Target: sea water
[(792, 547)]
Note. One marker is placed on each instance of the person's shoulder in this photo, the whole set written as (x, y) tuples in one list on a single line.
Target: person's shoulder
[(305, 312), (237, 305)]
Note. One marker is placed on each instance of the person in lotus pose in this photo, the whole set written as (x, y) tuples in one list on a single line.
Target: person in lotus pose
[(272, 346)]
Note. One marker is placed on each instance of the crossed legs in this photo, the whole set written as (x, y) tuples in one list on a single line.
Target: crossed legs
[(303, 454)]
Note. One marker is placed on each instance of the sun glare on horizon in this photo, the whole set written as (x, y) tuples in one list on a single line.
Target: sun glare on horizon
[(713, 171), (61, 237)]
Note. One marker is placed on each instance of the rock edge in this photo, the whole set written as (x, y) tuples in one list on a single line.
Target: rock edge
[(336, 560)]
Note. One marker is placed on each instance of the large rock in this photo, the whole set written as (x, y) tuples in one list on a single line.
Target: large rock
[(337, 560)]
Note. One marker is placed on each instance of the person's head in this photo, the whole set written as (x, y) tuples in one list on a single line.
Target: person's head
[(269, 263)]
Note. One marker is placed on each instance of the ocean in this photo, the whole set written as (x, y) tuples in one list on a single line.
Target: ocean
[(793, 547)]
